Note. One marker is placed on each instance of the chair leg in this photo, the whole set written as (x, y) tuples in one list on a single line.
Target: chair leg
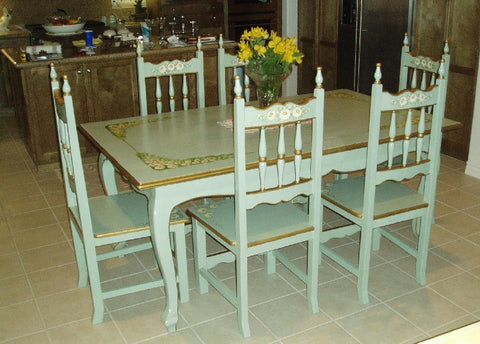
[(107, 175), (270, 262), (200, 255), (312, 271), (80, 256), (422, 250), (181, 258), (364, 264), (95, 284), (376, 239), (242, 295)]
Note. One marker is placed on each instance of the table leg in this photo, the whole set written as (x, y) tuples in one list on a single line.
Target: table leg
[(159, 213), (107, 175)]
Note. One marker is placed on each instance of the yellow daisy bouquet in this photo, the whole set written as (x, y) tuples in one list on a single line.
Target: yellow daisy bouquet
[(268, 53)]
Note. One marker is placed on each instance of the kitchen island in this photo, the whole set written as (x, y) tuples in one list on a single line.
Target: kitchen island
[(104, 86)]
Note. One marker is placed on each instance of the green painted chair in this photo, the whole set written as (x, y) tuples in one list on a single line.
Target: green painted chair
[(111, 222), (270, 171), (170, 70), (226, 62), (418, 71), (381, 198)]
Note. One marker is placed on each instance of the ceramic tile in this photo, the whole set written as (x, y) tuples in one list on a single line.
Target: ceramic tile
[(292, 315), (225, 330), (461, 289), (460, 252), (33, 219), (37, 338), (19, 320), (186, 336), (14, 290), (54, 280), (47, 256), (329, 333), (23, 205), (84, 331), (458, 199), (37, 237), (377, 323), (10, 265), (427, 309), (65, 307), (460, 223)]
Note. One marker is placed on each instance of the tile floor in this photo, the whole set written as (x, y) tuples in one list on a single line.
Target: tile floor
[(40, 302)]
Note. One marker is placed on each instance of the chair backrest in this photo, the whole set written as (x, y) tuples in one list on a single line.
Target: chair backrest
[(169, 69), (407, 110), (260, 172), (70, 156), (228, 61), (421, 71)]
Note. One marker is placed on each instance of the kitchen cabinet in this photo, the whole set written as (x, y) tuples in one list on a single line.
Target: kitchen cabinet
[(104, 86), (12, 38)]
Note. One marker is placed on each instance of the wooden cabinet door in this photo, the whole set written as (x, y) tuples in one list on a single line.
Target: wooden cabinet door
[(111, 89)]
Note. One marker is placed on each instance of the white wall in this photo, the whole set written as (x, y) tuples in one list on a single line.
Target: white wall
[(473, 163), (289, 29)]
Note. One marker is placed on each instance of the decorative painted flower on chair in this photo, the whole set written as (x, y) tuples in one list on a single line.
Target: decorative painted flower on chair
[(269, 59)]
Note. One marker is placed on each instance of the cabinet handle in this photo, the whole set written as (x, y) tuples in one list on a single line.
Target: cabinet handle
[(89, 70), (79, 71)]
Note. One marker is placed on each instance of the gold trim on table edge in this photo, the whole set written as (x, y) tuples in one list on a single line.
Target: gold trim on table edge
[(161, 163)]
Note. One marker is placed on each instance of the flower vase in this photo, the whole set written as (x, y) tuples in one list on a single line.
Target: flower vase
[(268, 86)]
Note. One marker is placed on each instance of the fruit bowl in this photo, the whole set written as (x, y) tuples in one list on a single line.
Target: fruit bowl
[(63, 29)]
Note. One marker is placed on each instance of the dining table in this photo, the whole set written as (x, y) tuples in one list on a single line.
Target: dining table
[(188, 154)]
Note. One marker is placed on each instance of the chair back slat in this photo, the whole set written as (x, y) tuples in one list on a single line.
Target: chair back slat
[(226, 61), (171, 70)]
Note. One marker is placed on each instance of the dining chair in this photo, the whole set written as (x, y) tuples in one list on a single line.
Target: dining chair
[(381, 198), (270, 170), (418, 71), (228, 63), (106, 227), (170, 70)]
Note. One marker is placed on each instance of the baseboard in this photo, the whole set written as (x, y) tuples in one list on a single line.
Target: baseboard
[(473, 171)]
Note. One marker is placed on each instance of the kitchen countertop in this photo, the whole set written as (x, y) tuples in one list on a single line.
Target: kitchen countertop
[(104, 51)]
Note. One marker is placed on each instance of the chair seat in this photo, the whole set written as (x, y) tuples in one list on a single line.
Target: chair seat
[(265, 222), (122, 213), (390, 197)]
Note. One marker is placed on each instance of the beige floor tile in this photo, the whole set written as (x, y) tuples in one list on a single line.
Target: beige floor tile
[(339, 298), (427, 309), (47, 257), (204, 307), (33, 219), (387, 281), (61, 213), (329, 333), (18, 178), (56, 198), (54, 280), (457, 179), (457, 323), (62, 308), (458, 199), (37, 237), (84, 331), (292, 315), (437, 267), (118, 267), (37, 338), (462, 289), (461, 253), (376, 324), (186, 336), (10, 265), (7, 244), (442, 209), (142, 321), (23, 205), (225, 330), (473, 211), (263, 287), (19, 320), (14, 192), (14, 290), (460, 223)]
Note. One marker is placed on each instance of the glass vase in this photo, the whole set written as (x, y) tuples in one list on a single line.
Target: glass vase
[(268, 86)]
